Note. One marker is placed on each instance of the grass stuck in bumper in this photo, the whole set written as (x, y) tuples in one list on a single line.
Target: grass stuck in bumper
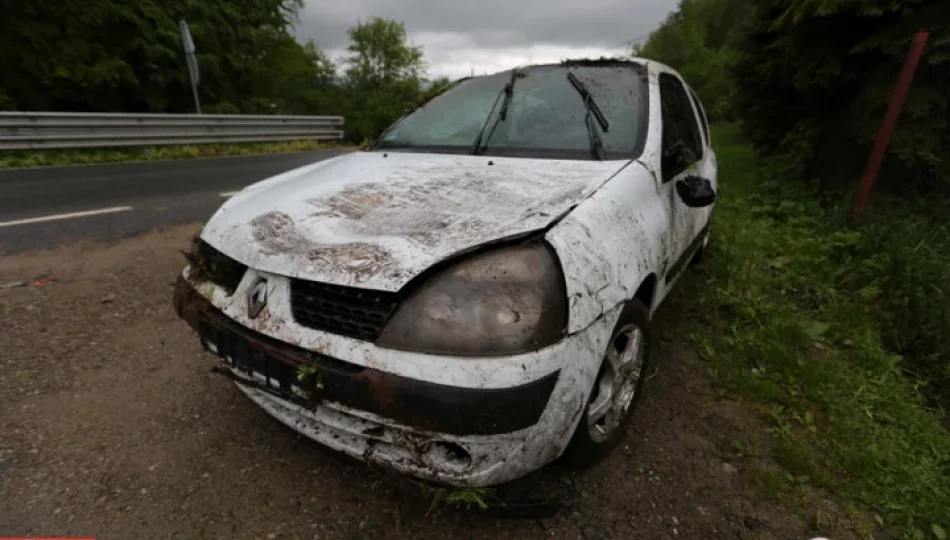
[(779, 327)]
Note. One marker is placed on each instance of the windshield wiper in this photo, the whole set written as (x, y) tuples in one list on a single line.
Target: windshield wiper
[(596, 141), (507, 91)]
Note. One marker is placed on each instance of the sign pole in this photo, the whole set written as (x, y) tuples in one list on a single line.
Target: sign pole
[(193, 74)]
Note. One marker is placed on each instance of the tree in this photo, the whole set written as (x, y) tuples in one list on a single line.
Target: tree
[(383, 77), (379, 54), (814, 77), (290, 79), (115, 55), (61, 55), (699, 40)]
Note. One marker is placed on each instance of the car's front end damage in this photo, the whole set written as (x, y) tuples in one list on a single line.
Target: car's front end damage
[(462, 418), (420, 305)]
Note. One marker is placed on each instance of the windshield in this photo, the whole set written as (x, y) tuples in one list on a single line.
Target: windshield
[(546, 116)]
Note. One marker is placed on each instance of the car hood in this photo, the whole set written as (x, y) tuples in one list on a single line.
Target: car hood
[(376, 220)]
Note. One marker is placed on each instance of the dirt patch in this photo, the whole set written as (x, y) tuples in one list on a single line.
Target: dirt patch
[(276, 232), (357, 258), (112, 425), (432, 213)]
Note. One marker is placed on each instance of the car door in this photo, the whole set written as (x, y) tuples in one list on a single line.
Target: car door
[(684, 153)]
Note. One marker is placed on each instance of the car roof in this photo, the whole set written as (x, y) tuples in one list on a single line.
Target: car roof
[(635, 63), (658, 66)]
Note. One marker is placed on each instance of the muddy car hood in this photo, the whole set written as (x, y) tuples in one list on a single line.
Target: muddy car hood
[(375, 221)]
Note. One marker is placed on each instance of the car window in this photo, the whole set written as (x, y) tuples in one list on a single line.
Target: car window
[(546, 116), (702, 114), (682, 143)]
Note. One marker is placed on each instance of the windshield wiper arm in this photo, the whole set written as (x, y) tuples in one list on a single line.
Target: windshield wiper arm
[(507, 91), (596, 141)]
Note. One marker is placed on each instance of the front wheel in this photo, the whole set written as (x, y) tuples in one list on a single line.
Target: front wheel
[(616, 389)]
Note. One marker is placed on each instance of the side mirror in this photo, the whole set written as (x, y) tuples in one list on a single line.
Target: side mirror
[(695, 192)]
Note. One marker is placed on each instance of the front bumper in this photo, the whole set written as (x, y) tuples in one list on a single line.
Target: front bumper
[(452, 434)]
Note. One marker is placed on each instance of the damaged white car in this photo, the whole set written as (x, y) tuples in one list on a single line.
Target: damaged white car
[(470, 299)]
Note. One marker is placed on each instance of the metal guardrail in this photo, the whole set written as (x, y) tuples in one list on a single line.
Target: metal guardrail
[(38, 130)]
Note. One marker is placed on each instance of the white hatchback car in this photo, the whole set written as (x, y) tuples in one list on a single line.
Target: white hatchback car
[(470, 299)]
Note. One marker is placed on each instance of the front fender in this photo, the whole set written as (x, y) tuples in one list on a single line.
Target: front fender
[(609, 245)]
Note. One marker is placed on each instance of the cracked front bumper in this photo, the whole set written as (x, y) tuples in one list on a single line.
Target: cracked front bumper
[(451, 434)]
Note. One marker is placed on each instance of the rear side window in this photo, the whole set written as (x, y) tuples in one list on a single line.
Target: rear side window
[(702, 114), (682, 142)]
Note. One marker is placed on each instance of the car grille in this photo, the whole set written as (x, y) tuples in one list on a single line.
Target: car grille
[(346, 311)]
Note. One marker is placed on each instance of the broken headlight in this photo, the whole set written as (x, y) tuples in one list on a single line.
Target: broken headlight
[(208, 264), (503, 302)]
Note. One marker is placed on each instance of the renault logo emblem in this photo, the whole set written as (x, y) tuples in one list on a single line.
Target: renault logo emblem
[(257, 299)]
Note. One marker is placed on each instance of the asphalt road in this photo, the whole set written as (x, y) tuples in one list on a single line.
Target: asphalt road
[(48, 206)]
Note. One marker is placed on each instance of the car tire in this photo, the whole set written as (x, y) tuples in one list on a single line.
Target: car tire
[(596, 436)]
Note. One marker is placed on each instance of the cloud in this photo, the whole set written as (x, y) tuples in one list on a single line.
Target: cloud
[(491, 35)]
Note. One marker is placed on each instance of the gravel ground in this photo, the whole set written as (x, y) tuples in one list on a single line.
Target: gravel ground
[(112, 425)]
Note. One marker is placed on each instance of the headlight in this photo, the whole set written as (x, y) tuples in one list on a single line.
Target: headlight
[(503, 302)]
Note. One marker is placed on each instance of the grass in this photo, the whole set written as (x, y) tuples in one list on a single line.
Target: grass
[(458, 497), (793, 321), (43, 158), (310, 373)]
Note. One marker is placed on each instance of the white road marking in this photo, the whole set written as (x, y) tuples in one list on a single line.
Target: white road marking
[(70, 215), (229, 193)]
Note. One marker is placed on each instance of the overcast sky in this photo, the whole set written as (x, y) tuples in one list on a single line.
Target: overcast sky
[(491, 35)]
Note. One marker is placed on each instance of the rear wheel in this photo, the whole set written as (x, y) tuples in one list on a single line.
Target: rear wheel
[(616, 389)]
